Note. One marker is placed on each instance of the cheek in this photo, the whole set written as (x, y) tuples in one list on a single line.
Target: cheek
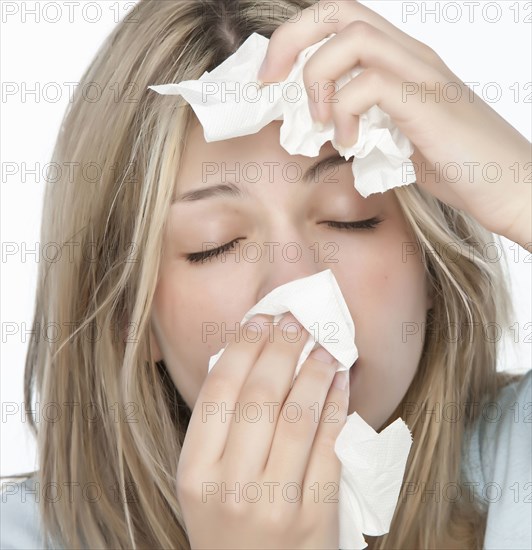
[(387, 299), (193, 320), (393, 308), (177, 318)]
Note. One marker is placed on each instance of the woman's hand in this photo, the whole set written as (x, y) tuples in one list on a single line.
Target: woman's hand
[(465, 153), (256, 471)]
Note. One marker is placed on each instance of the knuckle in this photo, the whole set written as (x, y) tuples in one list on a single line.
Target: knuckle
[(259, 391), (234, 510), (189, 487), (299, 423), (278, 517), (324, 446), (333, 415), (320, 372), (278, 34), (308, 420), (374, 78), (429, 54), (361, 29)]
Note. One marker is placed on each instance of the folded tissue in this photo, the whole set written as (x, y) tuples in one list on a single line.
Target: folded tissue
[(326, 317), (229, 102), (373, 464)]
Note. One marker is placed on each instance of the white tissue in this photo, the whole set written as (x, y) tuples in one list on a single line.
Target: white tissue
[(372, 464), (229, 103), (325, 317)]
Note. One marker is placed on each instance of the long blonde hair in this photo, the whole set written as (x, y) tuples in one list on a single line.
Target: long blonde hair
[(109, 232)]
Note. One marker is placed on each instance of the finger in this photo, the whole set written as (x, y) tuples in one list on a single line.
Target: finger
[(359, 44), (322, 477), (298, 421), (209, 422), (316, 23), (381, 88), (262, 395)]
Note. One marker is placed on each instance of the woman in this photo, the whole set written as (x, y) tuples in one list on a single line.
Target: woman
[(140, 288)]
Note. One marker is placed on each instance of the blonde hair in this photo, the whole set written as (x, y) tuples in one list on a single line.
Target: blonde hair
[(105, 284)]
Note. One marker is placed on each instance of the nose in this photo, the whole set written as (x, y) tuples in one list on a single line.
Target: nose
[(290, 259)]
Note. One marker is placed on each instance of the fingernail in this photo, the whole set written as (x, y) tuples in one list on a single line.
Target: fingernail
[(321, 354), (340, 379), (340, 142)]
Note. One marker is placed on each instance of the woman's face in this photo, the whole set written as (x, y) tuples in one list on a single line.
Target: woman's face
[(280, 220)]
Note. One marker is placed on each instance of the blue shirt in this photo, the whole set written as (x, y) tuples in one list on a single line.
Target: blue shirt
[(497, 463)]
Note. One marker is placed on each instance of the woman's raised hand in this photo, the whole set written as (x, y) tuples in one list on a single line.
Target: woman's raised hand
[(465, 153)]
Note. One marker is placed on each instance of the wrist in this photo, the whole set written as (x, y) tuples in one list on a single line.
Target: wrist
[(520, 229)]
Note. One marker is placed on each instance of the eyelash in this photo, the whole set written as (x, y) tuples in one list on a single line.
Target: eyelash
[(363, 225)]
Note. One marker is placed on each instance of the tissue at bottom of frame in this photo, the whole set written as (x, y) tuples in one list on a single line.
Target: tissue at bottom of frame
[(373, 466)]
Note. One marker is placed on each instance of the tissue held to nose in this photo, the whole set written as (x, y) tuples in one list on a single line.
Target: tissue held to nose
[(318, 310), (373, 464)]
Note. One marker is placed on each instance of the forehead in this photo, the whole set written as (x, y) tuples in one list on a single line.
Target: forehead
[(201, 159)]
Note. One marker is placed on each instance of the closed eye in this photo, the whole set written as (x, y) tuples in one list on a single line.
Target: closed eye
[(370, 223), (199, 257)]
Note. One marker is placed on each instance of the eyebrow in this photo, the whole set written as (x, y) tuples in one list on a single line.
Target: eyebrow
[(231, 190)]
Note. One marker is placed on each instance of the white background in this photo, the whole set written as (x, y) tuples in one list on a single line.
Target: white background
[(41, 52)]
